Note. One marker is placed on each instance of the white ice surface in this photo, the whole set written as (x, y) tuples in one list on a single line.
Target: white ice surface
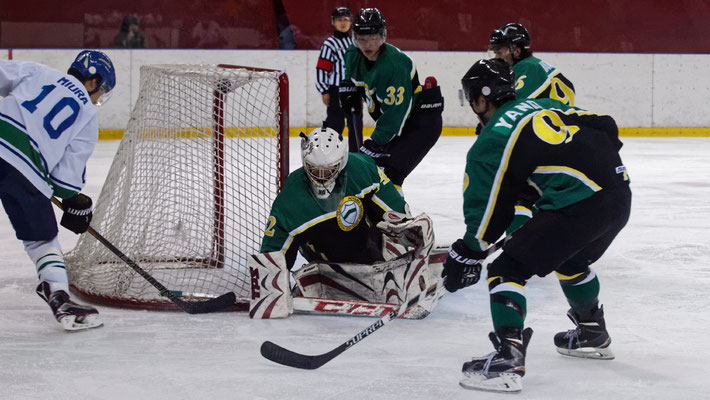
[(654, 278)]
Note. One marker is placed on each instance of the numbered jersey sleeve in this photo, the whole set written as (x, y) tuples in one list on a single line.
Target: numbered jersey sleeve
[(565, 153), (48, 126), (537, 79), (391, 85)]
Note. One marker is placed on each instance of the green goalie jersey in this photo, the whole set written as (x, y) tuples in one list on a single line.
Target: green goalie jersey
[(340, 228), (536, 79), (391, 85), (564, 153)]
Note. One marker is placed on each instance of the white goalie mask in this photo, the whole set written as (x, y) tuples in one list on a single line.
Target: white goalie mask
[(324, 153)]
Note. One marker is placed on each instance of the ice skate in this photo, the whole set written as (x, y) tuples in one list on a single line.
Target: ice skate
[(588, 340), (501, 370), (72, 316)]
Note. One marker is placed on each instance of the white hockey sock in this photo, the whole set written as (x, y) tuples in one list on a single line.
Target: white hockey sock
[(49, 260)]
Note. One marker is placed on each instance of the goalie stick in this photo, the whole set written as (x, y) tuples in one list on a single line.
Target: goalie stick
[(197, 307), (283, 356)]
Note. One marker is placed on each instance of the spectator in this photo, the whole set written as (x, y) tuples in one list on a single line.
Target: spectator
[(130, 36)]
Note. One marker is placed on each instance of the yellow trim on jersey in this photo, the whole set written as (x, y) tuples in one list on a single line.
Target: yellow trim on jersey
[(560, 169), (497, 182), (375, 199), (521, 210), (315, 221), (544, 85)]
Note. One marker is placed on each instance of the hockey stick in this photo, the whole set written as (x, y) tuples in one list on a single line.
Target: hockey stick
[(280, 355), (198, 307), (356, 129)]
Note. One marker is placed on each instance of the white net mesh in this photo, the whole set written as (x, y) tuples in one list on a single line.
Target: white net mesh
[(190, 188)]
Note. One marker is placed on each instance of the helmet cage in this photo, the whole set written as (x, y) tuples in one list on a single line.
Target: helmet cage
[(323, 175)]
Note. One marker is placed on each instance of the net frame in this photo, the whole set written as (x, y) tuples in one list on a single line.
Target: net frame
[(218, 269)]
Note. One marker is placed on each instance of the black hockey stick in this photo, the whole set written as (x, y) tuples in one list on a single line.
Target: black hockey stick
[(356, 128), (197, 307), (280, 355)]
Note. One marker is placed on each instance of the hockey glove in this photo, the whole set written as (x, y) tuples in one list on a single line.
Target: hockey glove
[(462, 267), (77, 213), (407, 231), (349, 96), (373, 149)]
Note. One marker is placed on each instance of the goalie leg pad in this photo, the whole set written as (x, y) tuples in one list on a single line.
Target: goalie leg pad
[(270, 286), (337, 281), (385, 282)]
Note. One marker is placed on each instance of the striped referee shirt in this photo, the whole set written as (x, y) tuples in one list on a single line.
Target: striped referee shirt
[(330, 68)]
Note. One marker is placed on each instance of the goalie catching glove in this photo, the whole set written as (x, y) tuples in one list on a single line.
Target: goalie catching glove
[(77, 213), (463, 266), (407, 231)]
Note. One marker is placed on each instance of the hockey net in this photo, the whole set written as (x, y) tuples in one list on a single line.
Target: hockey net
[(190, 188)]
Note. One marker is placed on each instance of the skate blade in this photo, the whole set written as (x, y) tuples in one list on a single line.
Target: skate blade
[(71, 324), (596, 353), (504, 383)]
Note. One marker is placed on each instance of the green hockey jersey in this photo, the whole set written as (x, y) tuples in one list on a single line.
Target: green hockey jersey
[(564, 153), (391, 85), (340, 228), (536, 79)]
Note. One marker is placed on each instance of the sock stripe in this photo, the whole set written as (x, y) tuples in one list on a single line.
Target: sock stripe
[(56, 264)]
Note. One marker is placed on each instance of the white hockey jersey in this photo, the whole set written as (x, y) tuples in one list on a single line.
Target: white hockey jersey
[(48, 126)]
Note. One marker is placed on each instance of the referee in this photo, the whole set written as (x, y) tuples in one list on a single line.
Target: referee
[(330, 71)]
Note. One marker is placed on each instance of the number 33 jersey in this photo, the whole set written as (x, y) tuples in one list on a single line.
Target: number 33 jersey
[(391, 86), (48, 126)]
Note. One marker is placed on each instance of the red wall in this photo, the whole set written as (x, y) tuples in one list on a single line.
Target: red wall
[(661, 26)]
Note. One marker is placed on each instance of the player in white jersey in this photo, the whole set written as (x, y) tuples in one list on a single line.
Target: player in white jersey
[(48, 130)]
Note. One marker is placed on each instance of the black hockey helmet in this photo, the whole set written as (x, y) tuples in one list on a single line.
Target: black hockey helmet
[(493, 78), (509, 34), (341, 12), (369, 21)]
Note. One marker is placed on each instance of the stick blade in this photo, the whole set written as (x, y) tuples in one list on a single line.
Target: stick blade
[(208, 306), (273, 352)]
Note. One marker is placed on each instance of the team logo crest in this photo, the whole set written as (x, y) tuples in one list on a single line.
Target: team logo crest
[(349, 213)]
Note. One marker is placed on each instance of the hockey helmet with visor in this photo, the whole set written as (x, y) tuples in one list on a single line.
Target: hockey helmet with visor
[(93, 64)]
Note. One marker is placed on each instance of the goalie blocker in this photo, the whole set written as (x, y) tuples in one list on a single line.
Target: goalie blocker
[(410, 267)]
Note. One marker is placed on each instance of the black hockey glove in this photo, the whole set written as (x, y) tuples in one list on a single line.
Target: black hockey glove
[(77, 213), (462, 267), (373, 149), (349, 96), (479, 128)]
